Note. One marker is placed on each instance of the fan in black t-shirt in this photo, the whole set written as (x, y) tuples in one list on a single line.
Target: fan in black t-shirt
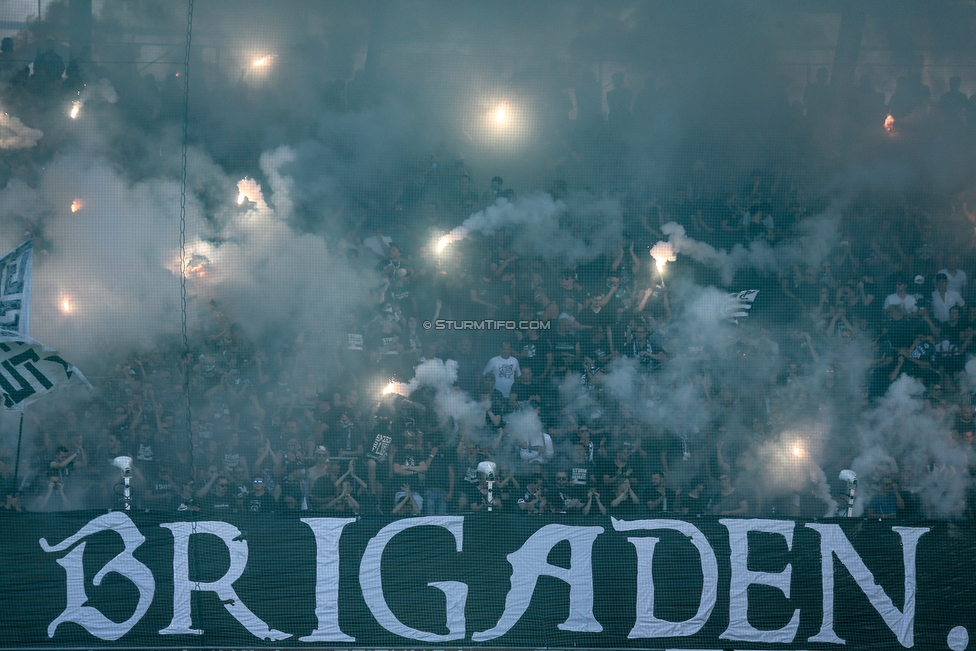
[(219, 501), (258, 499)]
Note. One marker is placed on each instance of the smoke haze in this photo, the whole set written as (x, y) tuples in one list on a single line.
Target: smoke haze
[(313, 129)]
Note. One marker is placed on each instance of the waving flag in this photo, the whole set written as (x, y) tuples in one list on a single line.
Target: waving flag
[(740, 303), (29, 370), (15, 288)]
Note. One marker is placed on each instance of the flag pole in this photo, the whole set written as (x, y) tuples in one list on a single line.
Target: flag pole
[(20, 437)]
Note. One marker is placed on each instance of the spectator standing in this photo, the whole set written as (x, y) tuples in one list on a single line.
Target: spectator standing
[(944, 298), (504, 368), (886, 504)]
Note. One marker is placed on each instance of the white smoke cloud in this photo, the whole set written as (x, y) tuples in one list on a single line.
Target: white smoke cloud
[(450, 402), (562, 232), (901, 436), (260, 260), (114, 261), (524, 426), (758, 254), (14, 134)]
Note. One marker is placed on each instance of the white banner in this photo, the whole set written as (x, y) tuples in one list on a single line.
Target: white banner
[(15, 288), (29, 370)]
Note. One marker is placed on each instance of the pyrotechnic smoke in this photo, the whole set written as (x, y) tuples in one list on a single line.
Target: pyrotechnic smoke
[(123, 285), (450, 402), (102, 90), (248, 189), (14, 134), (758, 255), (261, 255), (458, 233), (902, 438), (523, 427), (622, 380), (563, 232), (663, 253), (107, 273)]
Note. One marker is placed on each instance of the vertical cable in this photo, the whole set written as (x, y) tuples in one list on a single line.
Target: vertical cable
[(185, 365)]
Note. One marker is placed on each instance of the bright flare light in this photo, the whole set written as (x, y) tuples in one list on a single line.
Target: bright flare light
[(250, 190), (394, 387), (263, 61), (75, 109), (77, 205), (797, 451), (501, 114), (458, 233), (66, 306), (197, 266), (889, 123), (662, 253)]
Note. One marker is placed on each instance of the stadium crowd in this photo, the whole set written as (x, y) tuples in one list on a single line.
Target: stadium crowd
[(301, 420)]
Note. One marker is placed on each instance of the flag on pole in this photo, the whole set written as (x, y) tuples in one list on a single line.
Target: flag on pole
[(15, 288), (30, 370), (740, 303)]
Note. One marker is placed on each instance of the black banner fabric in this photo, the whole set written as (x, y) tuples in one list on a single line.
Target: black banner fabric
[(94, 580)]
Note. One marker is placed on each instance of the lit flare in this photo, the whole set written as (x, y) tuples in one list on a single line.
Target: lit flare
[(197, 266), (458, 233), (501, 114), (392, 387), (77, 205), (248, 189), (75, 109), (663, 253)]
